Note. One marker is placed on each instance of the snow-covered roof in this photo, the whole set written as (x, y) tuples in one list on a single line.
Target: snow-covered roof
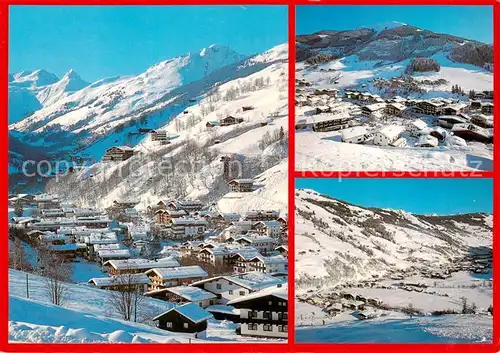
[(193, 294), (110, 246), (271, 260), (427, 140), (398, 106), (179, 272), (279, 292), (269, 224), (65, 247), (224, 309), (452, 118), (135, 278), (391, 131), (191, 311), (375, 106), (123, 148), (255, 280), (327, 117), (188, 221), (354, 132), (142, 263), (113, 253), (419, 124)]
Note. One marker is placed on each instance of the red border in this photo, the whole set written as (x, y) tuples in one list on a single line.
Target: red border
[(249, 347)]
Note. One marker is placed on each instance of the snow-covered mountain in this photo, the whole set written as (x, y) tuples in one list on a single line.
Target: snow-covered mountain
[(81, 118), (338, 243), (258, 144), (395, 42)]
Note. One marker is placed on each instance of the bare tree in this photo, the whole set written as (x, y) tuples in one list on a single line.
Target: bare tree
[(126, 296), (56, 273), (17, 256)]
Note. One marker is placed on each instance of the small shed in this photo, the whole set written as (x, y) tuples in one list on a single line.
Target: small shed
[(188, 318)]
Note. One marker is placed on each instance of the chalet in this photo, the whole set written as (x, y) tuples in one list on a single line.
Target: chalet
[(322, 109), (21, 199), (247, 107), (427, 141), (357, 134), (187, 318), (93, 222), (236, 286), (263, 244), (46, 201), (470, 132), (211, 124), (370, 109), (25, 222), (225, 219), (475, 104), (395, 109), (136, 280), (184, 294), (241, 185), (329, 122), (261, 215), (454, 109), (118, 267), (416, 127), (230, 120), (388, 135), (487, 108), (114, 254), (448, 121), (351, 94), (284, 222), (183, 228), (124, 204), (438, 133), (174, 276), (67, 251), (186, 205), (240, 261), (429, 107), (53, 238), (269, 228), (302, 124), (215, 255), (269, 264), (283, 250), (264, 313), (485, 121), (118, 153), (159, 136), (165, 216)]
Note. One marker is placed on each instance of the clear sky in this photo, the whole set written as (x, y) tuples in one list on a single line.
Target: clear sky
[(422, 196), (471, 22), (104, 41)]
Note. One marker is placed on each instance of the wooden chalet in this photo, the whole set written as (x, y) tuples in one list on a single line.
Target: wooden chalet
[(230, 120), (187, 318), (159, 136), (119, 267), (118, 153), (184, 294), (241, 185), (164, 216), (174, 276)]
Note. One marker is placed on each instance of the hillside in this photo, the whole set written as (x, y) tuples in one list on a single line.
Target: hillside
[(255, 145), (354, 57), (341, 243)]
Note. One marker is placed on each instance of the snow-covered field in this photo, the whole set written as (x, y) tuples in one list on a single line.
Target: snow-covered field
[(87, 316)]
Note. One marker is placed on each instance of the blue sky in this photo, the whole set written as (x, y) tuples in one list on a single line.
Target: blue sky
[(104, 41), (422, 196), (471, 22)]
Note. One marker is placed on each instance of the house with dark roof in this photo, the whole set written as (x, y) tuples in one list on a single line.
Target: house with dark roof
[(187, 318)]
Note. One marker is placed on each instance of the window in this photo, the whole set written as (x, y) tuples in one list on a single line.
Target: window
[(186, 325), (252, 327), (267, 315), (268, 327), (169, 324), (231, 292), (285, 316), (242, 293), (219, 286), (270, 302), (211, 302), (200, 304), (253, 314), (282, 328)]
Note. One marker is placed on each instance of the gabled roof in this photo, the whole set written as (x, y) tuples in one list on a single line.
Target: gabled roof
[(278, 292), (190, 293), (190, 311), (142, 263), (179, 272), (136, 278)]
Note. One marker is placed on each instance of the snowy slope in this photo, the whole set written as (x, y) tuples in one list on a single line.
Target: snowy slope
[(69, 83), (265, 90)]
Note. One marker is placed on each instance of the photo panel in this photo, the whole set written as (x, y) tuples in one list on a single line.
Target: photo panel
[(394, 88), (386, 260)]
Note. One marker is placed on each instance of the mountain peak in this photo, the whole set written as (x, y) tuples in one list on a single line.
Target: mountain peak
[(71, 74)]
